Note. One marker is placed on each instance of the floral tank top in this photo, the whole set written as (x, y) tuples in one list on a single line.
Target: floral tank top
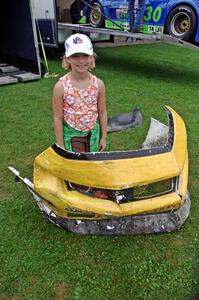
[(80, 105)]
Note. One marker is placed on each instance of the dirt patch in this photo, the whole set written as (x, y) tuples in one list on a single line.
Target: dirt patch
[(4, 195), (4, 297), (61, 291), (181, 242), (194, 182), (171, 259)]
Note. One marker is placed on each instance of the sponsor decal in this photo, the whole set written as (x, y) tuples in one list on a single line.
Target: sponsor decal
[(159, 29), (77, 40), (151, 28)]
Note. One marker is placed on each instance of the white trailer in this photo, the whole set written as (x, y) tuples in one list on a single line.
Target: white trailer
[(19, 53), (57, 19)]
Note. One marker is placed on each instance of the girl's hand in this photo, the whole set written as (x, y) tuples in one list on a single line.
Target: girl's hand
[(102, 144)]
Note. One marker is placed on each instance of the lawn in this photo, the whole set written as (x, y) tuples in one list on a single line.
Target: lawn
[(39, 261)]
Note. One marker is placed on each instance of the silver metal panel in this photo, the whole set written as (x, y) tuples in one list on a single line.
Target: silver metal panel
[(27, 76), (7, 80), (87, 28)]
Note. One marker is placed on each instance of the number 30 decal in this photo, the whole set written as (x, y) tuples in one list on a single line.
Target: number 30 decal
[(152, 14)]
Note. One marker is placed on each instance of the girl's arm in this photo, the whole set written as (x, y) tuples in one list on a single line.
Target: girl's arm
[(57, 105), (102, 114)]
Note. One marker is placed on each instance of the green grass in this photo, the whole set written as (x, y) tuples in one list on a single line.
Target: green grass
[(40, 261)]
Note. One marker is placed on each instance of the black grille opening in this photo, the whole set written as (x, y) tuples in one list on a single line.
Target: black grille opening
[(127, 195)]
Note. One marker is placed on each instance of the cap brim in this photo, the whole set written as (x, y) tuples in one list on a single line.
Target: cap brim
[(88, 52)]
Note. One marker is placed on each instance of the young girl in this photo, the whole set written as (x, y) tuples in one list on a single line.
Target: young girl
[(79, 106)]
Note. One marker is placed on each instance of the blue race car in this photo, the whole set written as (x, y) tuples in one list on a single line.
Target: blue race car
[(178, 18)]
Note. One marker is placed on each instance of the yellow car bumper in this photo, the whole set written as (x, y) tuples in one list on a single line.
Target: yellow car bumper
[(118, 173)]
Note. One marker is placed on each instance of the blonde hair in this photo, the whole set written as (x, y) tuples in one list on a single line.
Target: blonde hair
[(66, 65)]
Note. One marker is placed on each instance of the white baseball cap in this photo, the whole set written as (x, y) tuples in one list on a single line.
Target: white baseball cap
[(78, 43)]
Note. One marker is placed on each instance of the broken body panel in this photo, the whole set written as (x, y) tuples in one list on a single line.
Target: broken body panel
[(119, 174)]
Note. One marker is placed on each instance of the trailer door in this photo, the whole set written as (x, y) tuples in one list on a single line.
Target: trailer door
[(18, 39), (46, 20)]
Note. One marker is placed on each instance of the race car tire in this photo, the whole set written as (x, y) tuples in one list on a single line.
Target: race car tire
[(181, 23), (95, 15)]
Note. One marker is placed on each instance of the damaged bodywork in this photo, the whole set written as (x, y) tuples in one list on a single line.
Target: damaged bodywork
[(120, 192)]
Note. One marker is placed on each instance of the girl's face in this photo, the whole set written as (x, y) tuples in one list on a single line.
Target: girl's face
[(80, 62)]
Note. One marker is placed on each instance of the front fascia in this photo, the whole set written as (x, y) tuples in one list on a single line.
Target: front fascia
[(119, 173), (113, 174), (54, 190), (52, 170)]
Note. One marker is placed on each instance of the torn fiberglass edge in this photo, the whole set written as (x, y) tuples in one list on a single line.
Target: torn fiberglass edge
[(120, 192)]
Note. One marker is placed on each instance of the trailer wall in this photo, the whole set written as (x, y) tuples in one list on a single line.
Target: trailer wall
[(18, 41)]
